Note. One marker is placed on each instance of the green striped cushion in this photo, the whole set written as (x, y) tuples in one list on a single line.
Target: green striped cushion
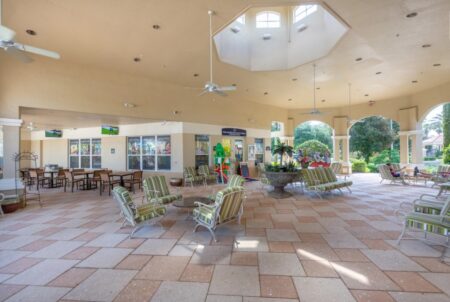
[(149, 211), (308, 177), (429, 223), (168, 198), (230, 201), (204, 214), (331, 177), (190, 172), (204, 170), (236, 181)]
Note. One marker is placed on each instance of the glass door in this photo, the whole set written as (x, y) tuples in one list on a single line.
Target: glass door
[(201, 150), (238, 150)]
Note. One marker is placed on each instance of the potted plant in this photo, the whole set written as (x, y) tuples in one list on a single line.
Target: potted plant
[(280, 174), (9, 205)]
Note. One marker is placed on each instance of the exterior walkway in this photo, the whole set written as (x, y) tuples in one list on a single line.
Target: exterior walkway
[(298, 249)]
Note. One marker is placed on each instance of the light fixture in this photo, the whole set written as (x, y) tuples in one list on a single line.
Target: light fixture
[(251, 120), (426, 45), (175, 112), (411, 15), (378, 73), (366, 95), (266, 93), (436, 65), (358, 59), (302, 27), (31, 32), (371, 102), (156, 27), (266, 37), (195, 75), (289, 100), (137, 59), (294, 79), (318, 88), (129, 105), (415, 81), (323, 100), (234, 85), (235, 29)]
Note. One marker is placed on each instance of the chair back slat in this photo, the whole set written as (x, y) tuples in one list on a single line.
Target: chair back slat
[(68, 175), (137, 175), (126, 205), (155, 183), (230, 202), (104, 176), (235, 181)]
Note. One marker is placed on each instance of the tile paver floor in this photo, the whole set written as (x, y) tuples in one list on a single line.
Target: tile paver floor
[(341, 248)]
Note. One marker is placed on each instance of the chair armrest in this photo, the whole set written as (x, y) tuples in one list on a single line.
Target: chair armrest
[(431, 196), (204, 205), (155, 191), (438, 203)]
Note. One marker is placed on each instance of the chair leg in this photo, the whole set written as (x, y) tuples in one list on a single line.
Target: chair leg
[(348, 188), (402, 234)]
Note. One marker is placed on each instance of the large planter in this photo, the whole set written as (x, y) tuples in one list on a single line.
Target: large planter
[(279, 180)]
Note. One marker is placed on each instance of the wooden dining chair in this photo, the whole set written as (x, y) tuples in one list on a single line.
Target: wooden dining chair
[(72, 181), (107, 181), (37, 177), (136, 178)]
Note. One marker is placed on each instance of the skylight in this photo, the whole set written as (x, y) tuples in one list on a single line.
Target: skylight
[(268, 20), (241, 19), (303, 11)]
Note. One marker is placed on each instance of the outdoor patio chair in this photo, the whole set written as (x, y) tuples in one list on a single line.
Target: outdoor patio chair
[(136, 178), (385, 174), (321, 180), (203, 170), (156, 190), (134, 215), (436, 222), (190, 176), (233, 181), (228, 206), (441, 175), (72, 181), (336, 167), (37, 177)]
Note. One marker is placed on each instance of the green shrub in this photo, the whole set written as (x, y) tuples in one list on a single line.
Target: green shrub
[(359, 166), (446, 155), (312, 146), (429, 158)]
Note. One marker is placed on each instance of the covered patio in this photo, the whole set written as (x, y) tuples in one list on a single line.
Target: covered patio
[(341, 248)]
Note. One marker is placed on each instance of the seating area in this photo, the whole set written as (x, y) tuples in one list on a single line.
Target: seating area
[(224, 151), (297, 249)]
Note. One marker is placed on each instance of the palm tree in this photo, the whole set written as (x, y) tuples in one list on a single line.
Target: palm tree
[(282, 149)]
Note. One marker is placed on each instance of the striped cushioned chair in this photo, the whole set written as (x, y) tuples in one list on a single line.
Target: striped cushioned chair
[(228, 206), (156, 190), (204, 171), (234, 181), (191, 176), (431, 218), (321, 180), (137, 216), (385, 174), (441, 175)]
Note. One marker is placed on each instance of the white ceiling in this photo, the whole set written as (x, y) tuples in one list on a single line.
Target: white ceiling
[(108, 34)]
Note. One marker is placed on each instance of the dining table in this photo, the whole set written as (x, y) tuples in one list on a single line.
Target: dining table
[(121, 175), (87, 185), (52, 183)]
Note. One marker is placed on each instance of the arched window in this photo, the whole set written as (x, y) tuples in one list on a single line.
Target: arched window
[(268, 20), (302, 11)]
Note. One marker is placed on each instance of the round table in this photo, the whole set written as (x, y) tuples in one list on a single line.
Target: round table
[(188, 203)]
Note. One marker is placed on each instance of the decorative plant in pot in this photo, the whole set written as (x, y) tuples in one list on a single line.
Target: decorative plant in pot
[(280, 174)]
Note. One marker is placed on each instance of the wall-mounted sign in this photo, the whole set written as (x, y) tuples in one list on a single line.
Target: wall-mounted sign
[(110, 130), (233, 132), (53, 133)]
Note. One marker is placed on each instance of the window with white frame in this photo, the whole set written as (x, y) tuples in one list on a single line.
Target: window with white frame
[(303, 11), (85, 153), (149, 153), (268, 20), (241, 19)]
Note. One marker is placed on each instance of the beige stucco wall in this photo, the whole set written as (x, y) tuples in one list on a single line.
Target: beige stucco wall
[(55, 151), (116, 161)]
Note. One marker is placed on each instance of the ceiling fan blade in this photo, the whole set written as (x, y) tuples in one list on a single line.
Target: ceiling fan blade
[(203, 92), (227, 88), (39, 51), (219, 92), (6, 34), (18, 54)]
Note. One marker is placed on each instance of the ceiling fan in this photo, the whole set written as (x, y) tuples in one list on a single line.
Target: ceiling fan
[(19, 50), (314, 111), (210, 86)]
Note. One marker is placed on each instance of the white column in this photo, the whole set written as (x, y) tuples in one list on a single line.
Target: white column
[(11, 145), (346, 165), (336, 149), (416, 149), (404, 148)]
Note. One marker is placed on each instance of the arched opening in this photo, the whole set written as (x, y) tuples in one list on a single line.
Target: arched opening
[(435, 127), (315, 140), (373, 141)]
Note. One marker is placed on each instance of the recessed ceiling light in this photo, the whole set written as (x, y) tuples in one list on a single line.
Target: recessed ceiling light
[(436, 65), (318, 88), (358, 59), (195, 75), (426, 45), (266, 93), (378, 72), (31, 32), (129, 105), (156, 27), (266, 36), (234, 85), (137, 59), (415, 81), (366, 95), (294, 79), (411, 15), (323, 101), (289, 100), (235, 29)]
